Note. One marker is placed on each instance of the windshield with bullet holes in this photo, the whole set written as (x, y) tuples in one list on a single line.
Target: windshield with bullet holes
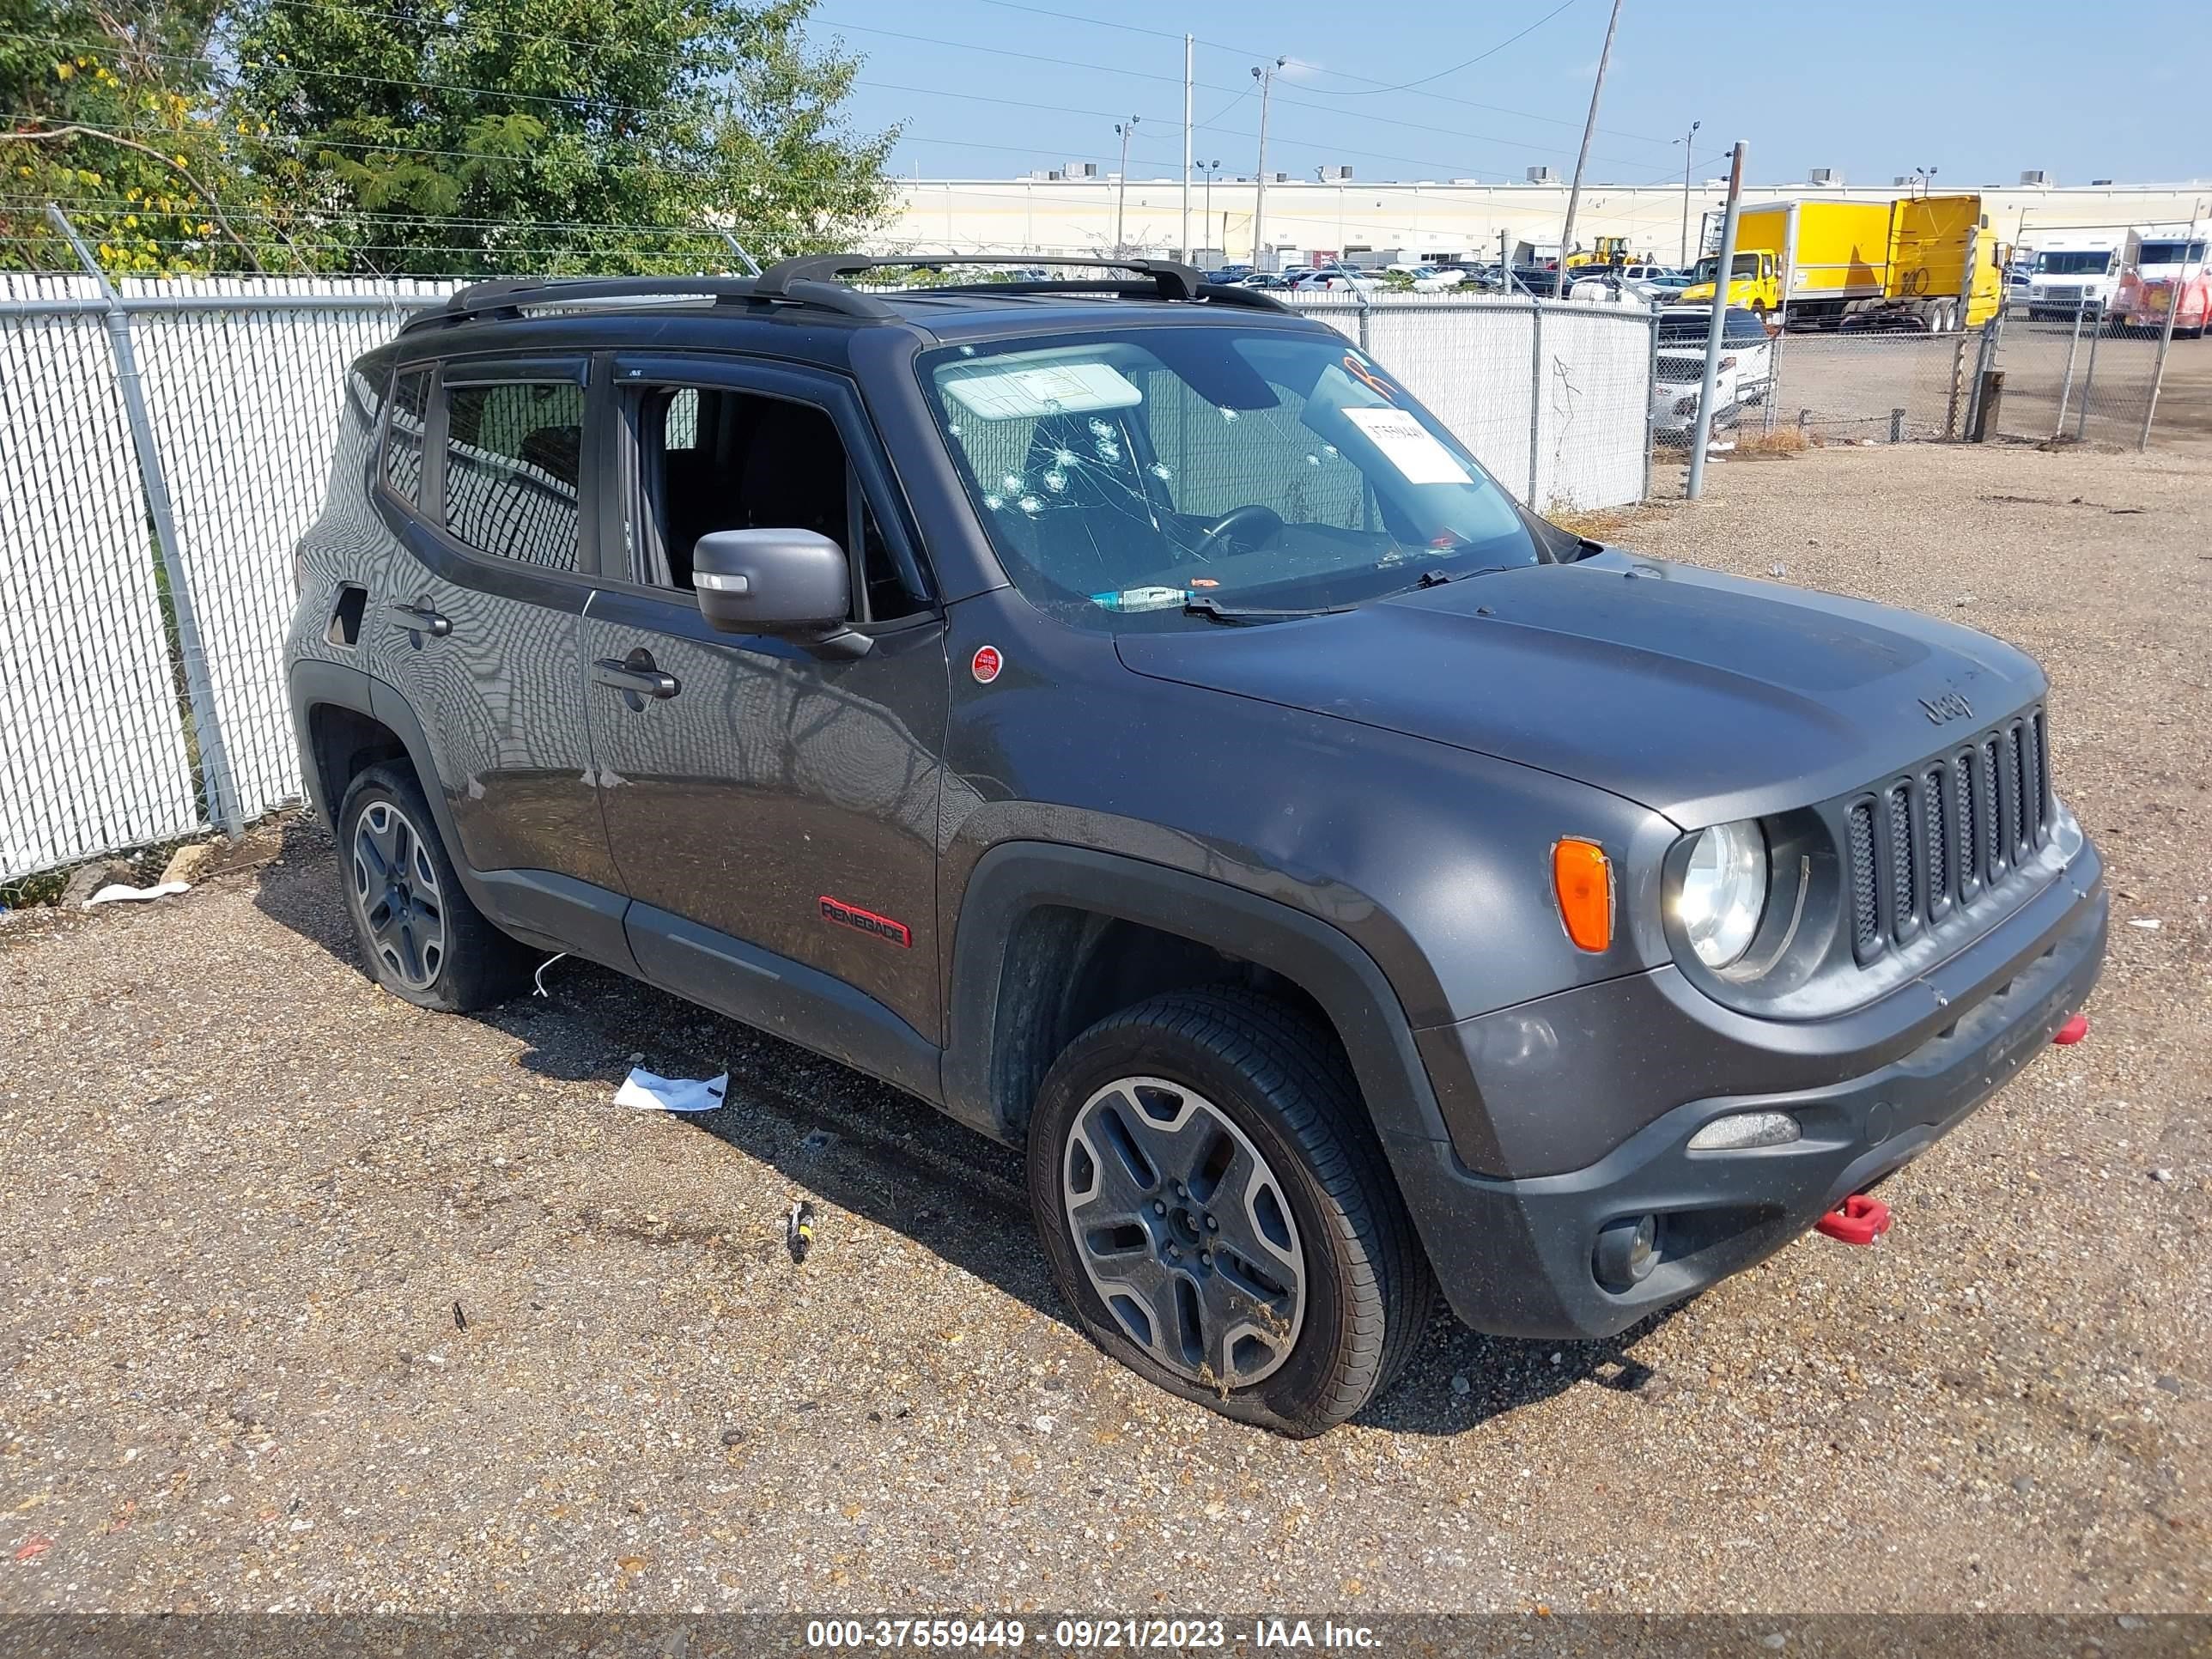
[(1123, 474)]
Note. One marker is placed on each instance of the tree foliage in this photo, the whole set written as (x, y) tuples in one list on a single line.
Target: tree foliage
[(466, 137), (109, 112), (548, 134)]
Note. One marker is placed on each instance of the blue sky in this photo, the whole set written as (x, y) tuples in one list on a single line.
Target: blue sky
[(1874, 87)]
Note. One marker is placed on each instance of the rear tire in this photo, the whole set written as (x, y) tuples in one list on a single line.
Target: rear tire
[(1203, 1159), (421, 938)]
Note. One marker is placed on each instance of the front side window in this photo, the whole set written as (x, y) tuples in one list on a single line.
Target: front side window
[(403, 434), (1744, 264), (2079, 262), (513, 452), (1122, 477), (710, 458), (2172, 253)]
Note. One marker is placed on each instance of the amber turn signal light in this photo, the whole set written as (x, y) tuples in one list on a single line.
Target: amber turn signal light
[(1582, 877)]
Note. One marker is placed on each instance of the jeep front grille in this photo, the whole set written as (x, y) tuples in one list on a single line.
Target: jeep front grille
[(1947, 833)]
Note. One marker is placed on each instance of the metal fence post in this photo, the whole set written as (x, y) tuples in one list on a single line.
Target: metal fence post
[(200, 688), (1650, 402), (1984, 362), (2165, 336), (1772, 403), (1535, 395), (1957, 384), (2088, 379), (1897, 426), (2073, 346)]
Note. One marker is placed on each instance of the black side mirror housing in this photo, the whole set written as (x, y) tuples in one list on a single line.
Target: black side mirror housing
[(789, 584)]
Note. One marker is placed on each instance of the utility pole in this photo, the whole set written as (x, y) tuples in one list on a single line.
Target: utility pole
[(1265, 75), (1582, 160), (1688, 144), (1122, 182), (1702, 434), (1188, 43)]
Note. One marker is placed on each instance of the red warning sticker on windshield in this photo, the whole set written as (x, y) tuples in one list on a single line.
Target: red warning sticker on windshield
[(986, 664)]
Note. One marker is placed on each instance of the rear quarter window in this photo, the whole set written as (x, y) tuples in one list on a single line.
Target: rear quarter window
[(403, 434), (514, 454)]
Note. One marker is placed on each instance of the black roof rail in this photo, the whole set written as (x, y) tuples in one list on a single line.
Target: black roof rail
[(1216, 293), (508, 295), (814, 271), (812, 280)]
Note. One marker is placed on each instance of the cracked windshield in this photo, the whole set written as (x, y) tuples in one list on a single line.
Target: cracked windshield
[(1210, 475)]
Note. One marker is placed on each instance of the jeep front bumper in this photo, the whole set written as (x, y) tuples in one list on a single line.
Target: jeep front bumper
[(1518, 1255)]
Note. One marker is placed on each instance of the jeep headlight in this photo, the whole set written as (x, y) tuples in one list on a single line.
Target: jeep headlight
[(1723, 891)]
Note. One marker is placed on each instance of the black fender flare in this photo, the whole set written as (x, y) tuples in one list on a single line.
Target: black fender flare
[(541, 907), (1014, 878)]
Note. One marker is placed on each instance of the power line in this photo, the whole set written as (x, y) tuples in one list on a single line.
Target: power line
[(1370, 91), (1342, 75)]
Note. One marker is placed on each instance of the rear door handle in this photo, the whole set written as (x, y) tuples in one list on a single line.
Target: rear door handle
[(421, 619), (635, 678)]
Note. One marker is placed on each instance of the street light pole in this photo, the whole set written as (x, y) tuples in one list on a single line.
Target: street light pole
[(1688, 144), (1122, 181), (1265, 75), (1209, 168)]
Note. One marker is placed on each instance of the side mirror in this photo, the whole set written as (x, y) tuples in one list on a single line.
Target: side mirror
[(791, 583)]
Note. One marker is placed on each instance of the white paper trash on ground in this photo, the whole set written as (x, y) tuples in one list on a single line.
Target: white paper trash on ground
[(115, 892), (648, 1093)]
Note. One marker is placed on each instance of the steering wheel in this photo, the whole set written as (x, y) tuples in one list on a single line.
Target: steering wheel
[(1260, 524)]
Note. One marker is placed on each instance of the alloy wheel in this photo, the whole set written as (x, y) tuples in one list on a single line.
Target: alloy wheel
[(396, 886), (1184, 1231)]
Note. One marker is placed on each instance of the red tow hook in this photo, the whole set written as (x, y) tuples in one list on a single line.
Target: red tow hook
[(2075, 1028), (1859, 1220)]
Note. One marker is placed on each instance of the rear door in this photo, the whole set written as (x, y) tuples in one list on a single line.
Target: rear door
[(478, 628), (772, 813)]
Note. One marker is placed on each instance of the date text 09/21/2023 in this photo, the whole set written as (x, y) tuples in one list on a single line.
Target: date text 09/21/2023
[(1089, 1635)]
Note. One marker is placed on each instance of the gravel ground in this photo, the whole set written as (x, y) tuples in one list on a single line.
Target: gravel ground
[(319, 1301)]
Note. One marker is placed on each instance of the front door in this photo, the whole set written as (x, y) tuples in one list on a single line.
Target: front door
[(772, 813), (478, 624)]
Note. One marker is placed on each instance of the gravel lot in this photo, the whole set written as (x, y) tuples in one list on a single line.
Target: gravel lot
[(249, 1202)]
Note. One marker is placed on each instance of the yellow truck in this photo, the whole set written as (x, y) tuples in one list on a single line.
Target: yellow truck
[(1924, 262)]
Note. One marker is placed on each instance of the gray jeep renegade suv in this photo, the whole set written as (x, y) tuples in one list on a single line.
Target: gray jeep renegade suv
[(1116, 712)]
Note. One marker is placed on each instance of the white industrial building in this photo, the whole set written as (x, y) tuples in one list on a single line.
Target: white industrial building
[(1073, 211)]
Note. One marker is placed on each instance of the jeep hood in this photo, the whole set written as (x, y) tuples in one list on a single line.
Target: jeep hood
[(1703, 696)]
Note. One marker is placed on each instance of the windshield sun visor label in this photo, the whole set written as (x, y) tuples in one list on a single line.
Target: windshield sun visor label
[(1408, 445)]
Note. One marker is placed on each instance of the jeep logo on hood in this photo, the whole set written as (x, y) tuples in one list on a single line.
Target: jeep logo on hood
[(1951, 706)]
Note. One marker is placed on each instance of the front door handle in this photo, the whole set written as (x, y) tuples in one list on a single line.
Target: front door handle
[(635, 678), (421, 619)]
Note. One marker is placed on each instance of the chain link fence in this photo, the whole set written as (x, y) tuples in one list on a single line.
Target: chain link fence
[(1554, 397), (2088, 377), (149, 515), (1872, 388)]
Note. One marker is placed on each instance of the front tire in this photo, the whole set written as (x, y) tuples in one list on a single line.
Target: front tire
[(421, 937), (1214, 1205)]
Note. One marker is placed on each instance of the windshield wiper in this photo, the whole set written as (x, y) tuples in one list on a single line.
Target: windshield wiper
[(1234, 616)]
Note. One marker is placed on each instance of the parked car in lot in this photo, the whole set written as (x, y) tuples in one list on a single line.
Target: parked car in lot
[(1744, 377), (1341, 279), (1127, 720)]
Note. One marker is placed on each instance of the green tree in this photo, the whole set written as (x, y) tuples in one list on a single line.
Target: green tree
[(108, 114), (513, 136)]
